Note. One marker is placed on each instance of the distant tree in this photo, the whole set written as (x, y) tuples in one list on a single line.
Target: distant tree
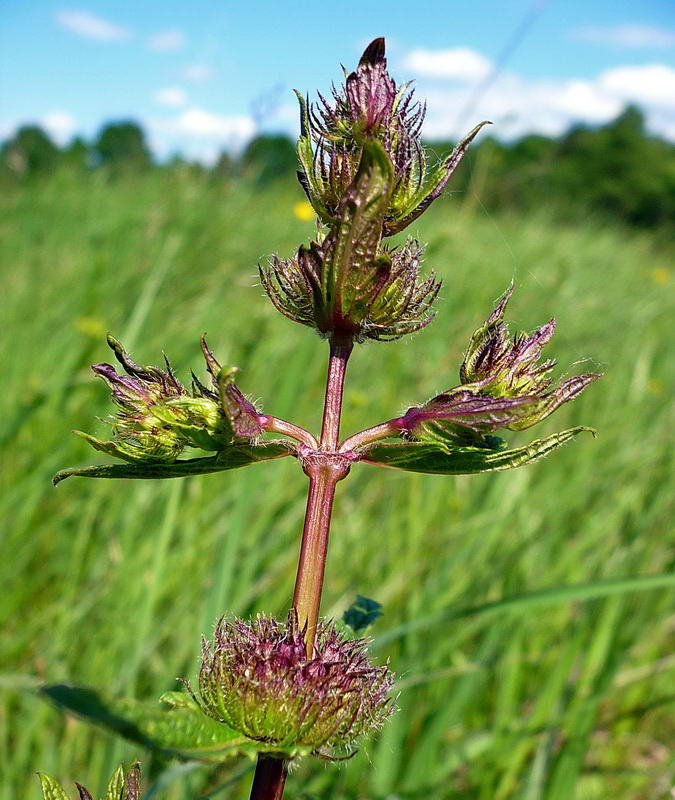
[(618, 168), (122, 145), (77, 155), (224, 167), (269, 157), (29, 152)]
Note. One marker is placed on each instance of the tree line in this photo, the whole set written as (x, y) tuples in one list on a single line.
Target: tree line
[(617, 169)]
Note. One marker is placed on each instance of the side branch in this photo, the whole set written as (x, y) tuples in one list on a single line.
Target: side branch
[(276, 425)]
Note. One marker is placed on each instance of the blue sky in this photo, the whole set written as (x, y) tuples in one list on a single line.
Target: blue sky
[(201, 75)]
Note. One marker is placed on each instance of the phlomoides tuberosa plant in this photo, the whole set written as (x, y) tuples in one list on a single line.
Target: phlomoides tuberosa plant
[(280, 690)]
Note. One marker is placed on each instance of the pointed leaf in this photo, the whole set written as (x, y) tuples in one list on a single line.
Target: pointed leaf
[(51, 789), (232, 458), (438, 460), (116, 785)]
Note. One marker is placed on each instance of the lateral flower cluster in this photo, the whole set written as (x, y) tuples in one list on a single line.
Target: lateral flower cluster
[(257, 678), (504, 385), (363, 167), (158, 417)]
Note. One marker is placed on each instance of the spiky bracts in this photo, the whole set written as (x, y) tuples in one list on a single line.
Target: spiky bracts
[(504, 384), (158, 417), (385, 300), (257, 678)]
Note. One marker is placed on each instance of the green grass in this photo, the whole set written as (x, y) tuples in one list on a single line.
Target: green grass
[(564, 691)]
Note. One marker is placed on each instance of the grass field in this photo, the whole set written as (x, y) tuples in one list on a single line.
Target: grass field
[(524, 612)]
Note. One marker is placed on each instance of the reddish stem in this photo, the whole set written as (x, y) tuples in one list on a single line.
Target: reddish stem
[(270, 778), (332, 408), (325, 467)]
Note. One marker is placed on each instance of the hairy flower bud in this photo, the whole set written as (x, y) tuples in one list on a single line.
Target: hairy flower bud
[(257, 678), (503, 385), (158, 417), (370, 107)]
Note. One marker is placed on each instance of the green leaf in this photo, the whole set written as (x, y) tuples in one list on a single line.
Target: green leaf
[(362, 613), (174, 727), (232, 458), (51, 790), (116, 785), (439, 460)]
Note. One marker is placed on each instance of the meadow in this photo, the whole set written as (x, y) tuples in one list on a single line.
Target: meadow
[(529, 615)]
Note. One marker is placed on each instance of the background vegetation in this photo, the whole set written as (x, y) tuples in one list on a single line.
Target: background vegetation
[(509, 687)]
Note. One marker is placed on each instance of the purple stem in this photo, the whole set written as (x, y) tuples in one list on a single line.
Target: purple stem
[(270, 779)]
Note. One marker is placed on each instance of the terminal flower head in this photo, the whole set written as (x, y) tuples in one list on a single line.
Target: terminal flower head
[(257, 678), (370, 107)]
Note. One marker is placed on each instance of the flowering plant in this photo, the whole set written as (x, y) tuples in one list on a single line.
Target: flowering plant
[(273, 690)]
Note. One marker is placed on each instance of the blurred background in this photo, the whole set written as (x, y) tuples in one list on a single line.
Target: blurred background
[(146, 167)]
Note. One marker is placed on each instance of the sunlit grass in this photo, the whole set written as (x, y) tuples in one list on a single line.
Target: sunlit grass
[(110, 584)]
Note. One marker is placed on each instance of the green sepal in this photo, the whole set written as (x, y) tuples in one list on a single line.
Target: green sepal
[(51, 789), (422, 199), (175, 726), (437, 459), (232, 458)]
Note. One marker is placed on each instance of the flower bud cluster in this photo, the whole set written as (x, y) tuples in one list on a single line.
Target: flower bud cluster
[(257, 678), (158, 417), (363, 167), (503, 385)]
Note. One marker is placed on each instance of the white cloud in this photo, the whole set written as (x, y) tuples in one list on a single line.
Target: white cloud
[(459, 64), (200, 134), (199, 123), (652, 84), (633, 36), (198, 72), (519, 105), (89, 26), (59, 125), (172, 97), (169, 41)]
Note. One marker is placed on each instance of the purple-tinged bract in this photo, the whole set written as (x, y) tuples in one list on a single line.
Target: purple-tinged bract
[(257, 678), (504, 384)]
